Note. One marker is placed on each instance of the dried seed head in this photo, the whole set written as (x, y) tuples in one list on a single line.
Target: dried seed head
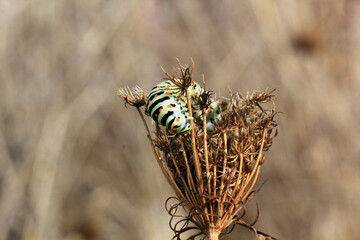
[(230, 160), (205, 99), (213, 175), (183, 74), (136, 97)]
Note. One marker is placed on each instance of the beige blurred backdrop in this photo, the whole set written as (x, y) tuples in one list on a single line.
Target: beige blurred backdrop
[(75, 164)]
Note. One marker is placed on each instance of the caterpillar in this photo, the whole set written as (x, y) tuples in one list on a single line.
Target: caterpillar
[(167, 105), (213, 116)]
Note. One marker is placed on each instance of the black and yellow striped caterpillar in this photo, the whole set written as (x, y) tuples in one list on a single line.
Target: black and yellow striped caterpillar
[(167, 105)]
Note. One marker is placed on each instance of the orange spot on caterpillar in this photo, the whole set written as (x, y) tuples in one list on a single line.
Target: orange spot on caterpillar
[(167, 87), (156, 115), (167, 93), (178, 119), (156, 95), (160, 110), (149, 101), (158, 87), (169, 106)]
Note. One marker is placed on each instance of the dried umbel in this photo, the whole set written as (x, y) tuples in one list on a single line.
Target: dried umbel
[(136, 97), (213, 175)]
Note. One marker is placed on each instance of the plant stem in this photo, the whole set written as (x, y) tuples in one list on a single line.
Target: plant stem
[(214, 234)]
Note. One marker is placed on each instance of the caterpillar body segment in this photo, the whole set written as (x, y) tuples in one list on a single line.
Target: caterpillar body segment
[(213, 117), (165, 108), (215, 113), (195, 90), (169, 87)]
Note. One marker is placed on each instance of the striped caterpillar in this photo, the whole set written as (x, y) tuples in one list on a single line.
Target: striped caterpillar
[(167, 105)]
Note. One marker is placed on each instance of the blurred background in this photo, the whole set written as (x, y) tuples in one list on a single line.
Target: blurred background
[(75, 164)]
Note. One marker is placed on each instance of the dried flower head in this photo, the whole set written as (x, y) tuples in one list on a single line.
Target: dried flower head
[(183, 73), (213, 175), (136, 97)]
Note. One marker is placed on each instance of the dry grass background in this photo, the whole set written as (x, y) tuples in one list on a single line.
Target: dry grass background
[(75, 164)]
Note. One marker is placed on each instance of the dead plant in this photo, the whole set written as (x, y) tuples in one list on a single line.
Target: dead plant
[(213, 175)]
